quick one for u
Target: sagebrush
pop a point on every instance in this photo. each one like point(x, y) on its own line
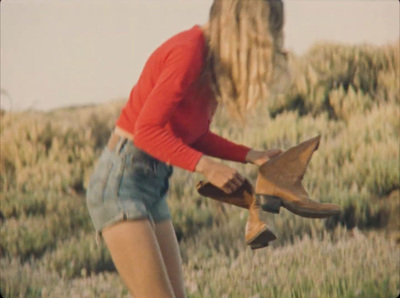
point(347, 94)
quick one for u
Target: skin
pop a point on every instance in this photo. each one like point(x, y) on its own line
point(227, 178)
point(147, 257)
point(168, 243)
point(137, 256)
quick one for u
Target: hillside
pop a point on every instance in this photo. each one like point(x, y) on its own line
point(347, 94)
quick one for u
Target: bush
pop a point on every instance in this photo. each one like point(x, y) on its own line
point(347, 94)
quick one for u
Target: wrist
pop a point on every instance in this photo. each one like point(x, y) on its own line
point(203, 163)
point(250, 156)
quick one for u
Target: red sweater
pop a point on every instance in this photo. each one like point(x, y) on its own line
point(168, 114)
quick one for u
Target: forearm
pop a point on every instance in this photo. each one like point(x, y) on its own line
point(216, 146)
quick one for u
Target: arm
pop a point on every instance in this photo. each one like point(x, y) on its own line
point(152, 137)
point(179, 70)
point(216, 146)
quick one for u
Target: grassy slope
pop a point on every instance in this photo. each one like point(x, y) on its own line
point(346, 94)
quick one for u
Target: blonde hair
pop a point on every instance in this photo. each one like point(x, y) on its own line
point(244, 38)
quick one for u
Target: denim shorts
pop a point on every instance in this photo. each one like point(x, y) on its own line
point(127, 184)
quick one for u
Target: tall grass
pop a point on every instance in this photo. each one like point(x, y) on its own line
point(347, 94)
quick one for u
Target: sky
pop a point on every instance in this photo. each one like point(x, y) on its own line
point(57, 53)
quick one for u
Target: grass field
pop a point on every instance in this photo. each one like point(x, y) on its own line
point(347, 94)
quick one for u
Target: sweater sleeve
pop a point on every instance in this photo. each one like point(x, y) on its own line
point(216, 146)
point(179, 70)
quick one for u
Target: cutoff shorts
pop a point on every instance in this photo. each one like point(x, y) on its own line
point(127, 184)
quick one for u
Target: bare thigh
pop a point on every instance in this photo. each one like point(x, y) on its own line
point(170, 252)
point(137, 256)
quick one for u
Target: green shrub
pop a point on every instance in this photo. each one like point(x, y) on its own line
point(79, 257)
point(347, 94)
point(27, 236)
point(337, 79)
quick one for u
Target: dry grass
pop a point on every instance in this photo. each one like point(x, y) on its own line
point(348, 94)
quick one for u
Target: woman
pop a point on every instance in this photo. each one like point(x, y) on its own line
point(166, 122)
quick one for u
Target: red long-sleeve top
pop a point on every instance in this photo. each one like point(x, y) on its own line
point(169, 114)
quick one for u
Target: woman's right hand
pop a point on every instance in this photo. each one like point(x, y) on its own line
point(222, 176)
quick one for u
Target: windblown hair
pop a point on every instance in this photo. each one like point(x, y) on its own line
point(245, 44)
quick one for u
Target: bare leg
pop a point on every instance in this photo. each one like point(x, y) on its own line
point(137, 256)
point(172, 259)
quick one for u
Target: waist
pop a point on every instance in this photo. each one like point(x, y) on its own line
point(123, 133)
point(118, 136)
point(121, 142)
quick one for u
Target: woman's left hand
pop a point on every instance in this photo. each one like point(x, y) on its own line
point(260, 157)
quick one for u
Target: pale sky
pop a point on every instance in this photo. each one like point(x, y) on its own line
point(58, 53)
